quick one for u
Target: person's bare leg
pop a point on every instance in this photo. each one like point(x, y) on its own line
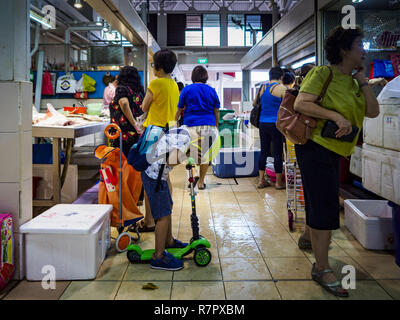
point(320, 241)
point(279, 180)
point(262, 179)
point(306, 235)
point(169, 239)
point(161, 235)
point(148, 220)
point(203, 173)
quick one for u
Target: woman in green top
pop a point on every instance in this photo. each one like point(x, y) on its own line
point(348, 100)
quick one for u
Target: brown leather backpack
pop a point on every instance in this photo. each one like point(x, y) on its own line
point(293, 125)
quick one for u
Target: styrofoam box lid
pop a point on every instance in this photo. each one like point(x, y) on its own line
point(68, 219)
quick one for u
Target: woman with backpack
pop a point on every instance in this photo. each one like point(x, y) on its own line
point(347, 101)
point(271, 97)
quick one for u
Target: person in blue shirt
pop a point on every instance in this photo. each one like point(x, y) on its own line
point(271, 97)
point(201, 105)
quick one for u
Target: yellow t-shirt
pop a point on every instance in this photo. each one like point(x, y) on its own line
point(165, 102)
point(343, 96)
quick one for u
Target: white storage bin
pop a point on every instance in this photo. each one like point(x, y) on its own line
point(384, 130)
point(370, 221)
point(356, 162)
point(73, 238)
point(381, 172)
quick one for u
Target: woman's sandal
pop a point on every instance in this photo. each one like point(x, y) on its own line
point(304, 244)
point(204, 186)
point(334, 288)
point(143, 228)
point(263, 185)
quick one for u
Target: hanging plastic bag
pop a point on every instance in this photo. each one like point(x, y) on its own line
point(79, 85)
point(390, 91)
point(88, 83)
point(383, 69)
point(47, 87)
point(66, 84)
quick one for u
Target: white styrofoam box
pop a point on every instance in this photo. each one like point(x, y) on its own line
point(16, 99)
point(381, 172)
point(71, 238)
point(26, 105)
point(9, 106)
point(384, 130)
point(9, 160)
point(69, 191)
point(25, 155)
point(370, 221)
point(19, 256)
point(16, 198)
point(356, 162)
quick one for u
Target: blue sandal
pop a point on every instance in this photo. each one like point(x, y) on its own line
point(334, 288)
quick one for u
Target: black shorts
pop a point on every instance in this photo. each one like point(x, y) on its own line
point(320, 173)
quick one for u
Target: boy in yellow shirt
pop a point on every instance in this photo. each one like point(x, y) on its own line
point(161, 103)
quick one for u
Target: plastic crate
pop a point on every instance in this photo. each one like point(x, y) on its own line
point(370, 221)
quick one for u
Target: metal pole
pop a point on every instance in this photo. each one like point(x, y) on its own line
point(39, 79)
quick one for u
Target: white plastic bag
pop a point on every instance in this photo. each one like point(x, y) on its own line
point(79, 85)
point(66, 84)
point(390, 91)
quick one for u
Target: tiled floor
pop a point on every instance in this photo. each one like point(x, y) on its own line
point(255, 257)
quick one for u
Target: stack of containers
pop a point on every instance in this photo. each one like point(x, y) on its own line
point(381, 152)
point(381, 157)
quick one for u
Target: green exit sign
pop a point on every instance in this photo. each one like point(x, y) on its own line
point(202, 60)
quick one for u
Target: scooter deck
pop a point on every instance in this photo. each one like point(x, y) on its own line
point(176, 252)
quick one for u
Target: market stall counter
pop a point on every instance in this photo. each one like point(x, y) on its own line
point(57, 133)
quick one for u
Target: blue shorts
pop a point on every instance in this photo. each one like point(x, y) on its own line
point(161, 201)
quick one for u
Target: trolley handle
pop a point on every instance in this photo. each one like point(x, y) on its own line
point(114, 135)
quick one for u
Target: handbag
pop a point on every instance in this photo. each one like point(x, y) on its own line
point(256, 111)
point(293, 125)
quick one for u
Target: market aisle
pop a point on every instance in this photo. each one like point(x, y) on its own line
point(254, 255)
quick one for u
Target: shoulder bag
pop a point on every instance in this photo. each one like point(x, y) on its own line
point(293, 125)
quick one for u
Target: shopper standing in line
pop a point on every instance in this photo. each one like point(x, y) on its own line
point(125, 107)
point(289, 80)
point(160, 102)
point(348, 100)
point(271, 97)
point(201, 105)
point(109, 92)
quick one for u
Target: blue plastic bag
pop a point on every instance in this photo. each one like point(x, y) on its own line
point(383, 69)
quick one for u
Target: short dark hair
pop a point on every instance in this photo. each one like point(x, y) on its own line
point(199, 74)
point(275, 73)
point(180, 86)
point(288, 78)
point(165, 59)
point(306, 68)
point(340, 38)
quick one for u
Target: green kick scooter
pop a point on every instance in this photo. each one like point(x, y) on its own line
point(198, 244)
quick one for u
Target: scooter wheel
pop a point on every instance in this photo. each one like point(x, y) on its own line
point(202, 257)
point(123, 241)
point(133, 256)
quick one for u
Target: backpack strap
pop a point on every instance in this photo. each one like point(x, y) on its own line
point(160, 173)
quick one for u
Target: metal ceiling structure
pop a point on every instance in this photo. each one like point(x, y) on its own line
point(192, 6)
